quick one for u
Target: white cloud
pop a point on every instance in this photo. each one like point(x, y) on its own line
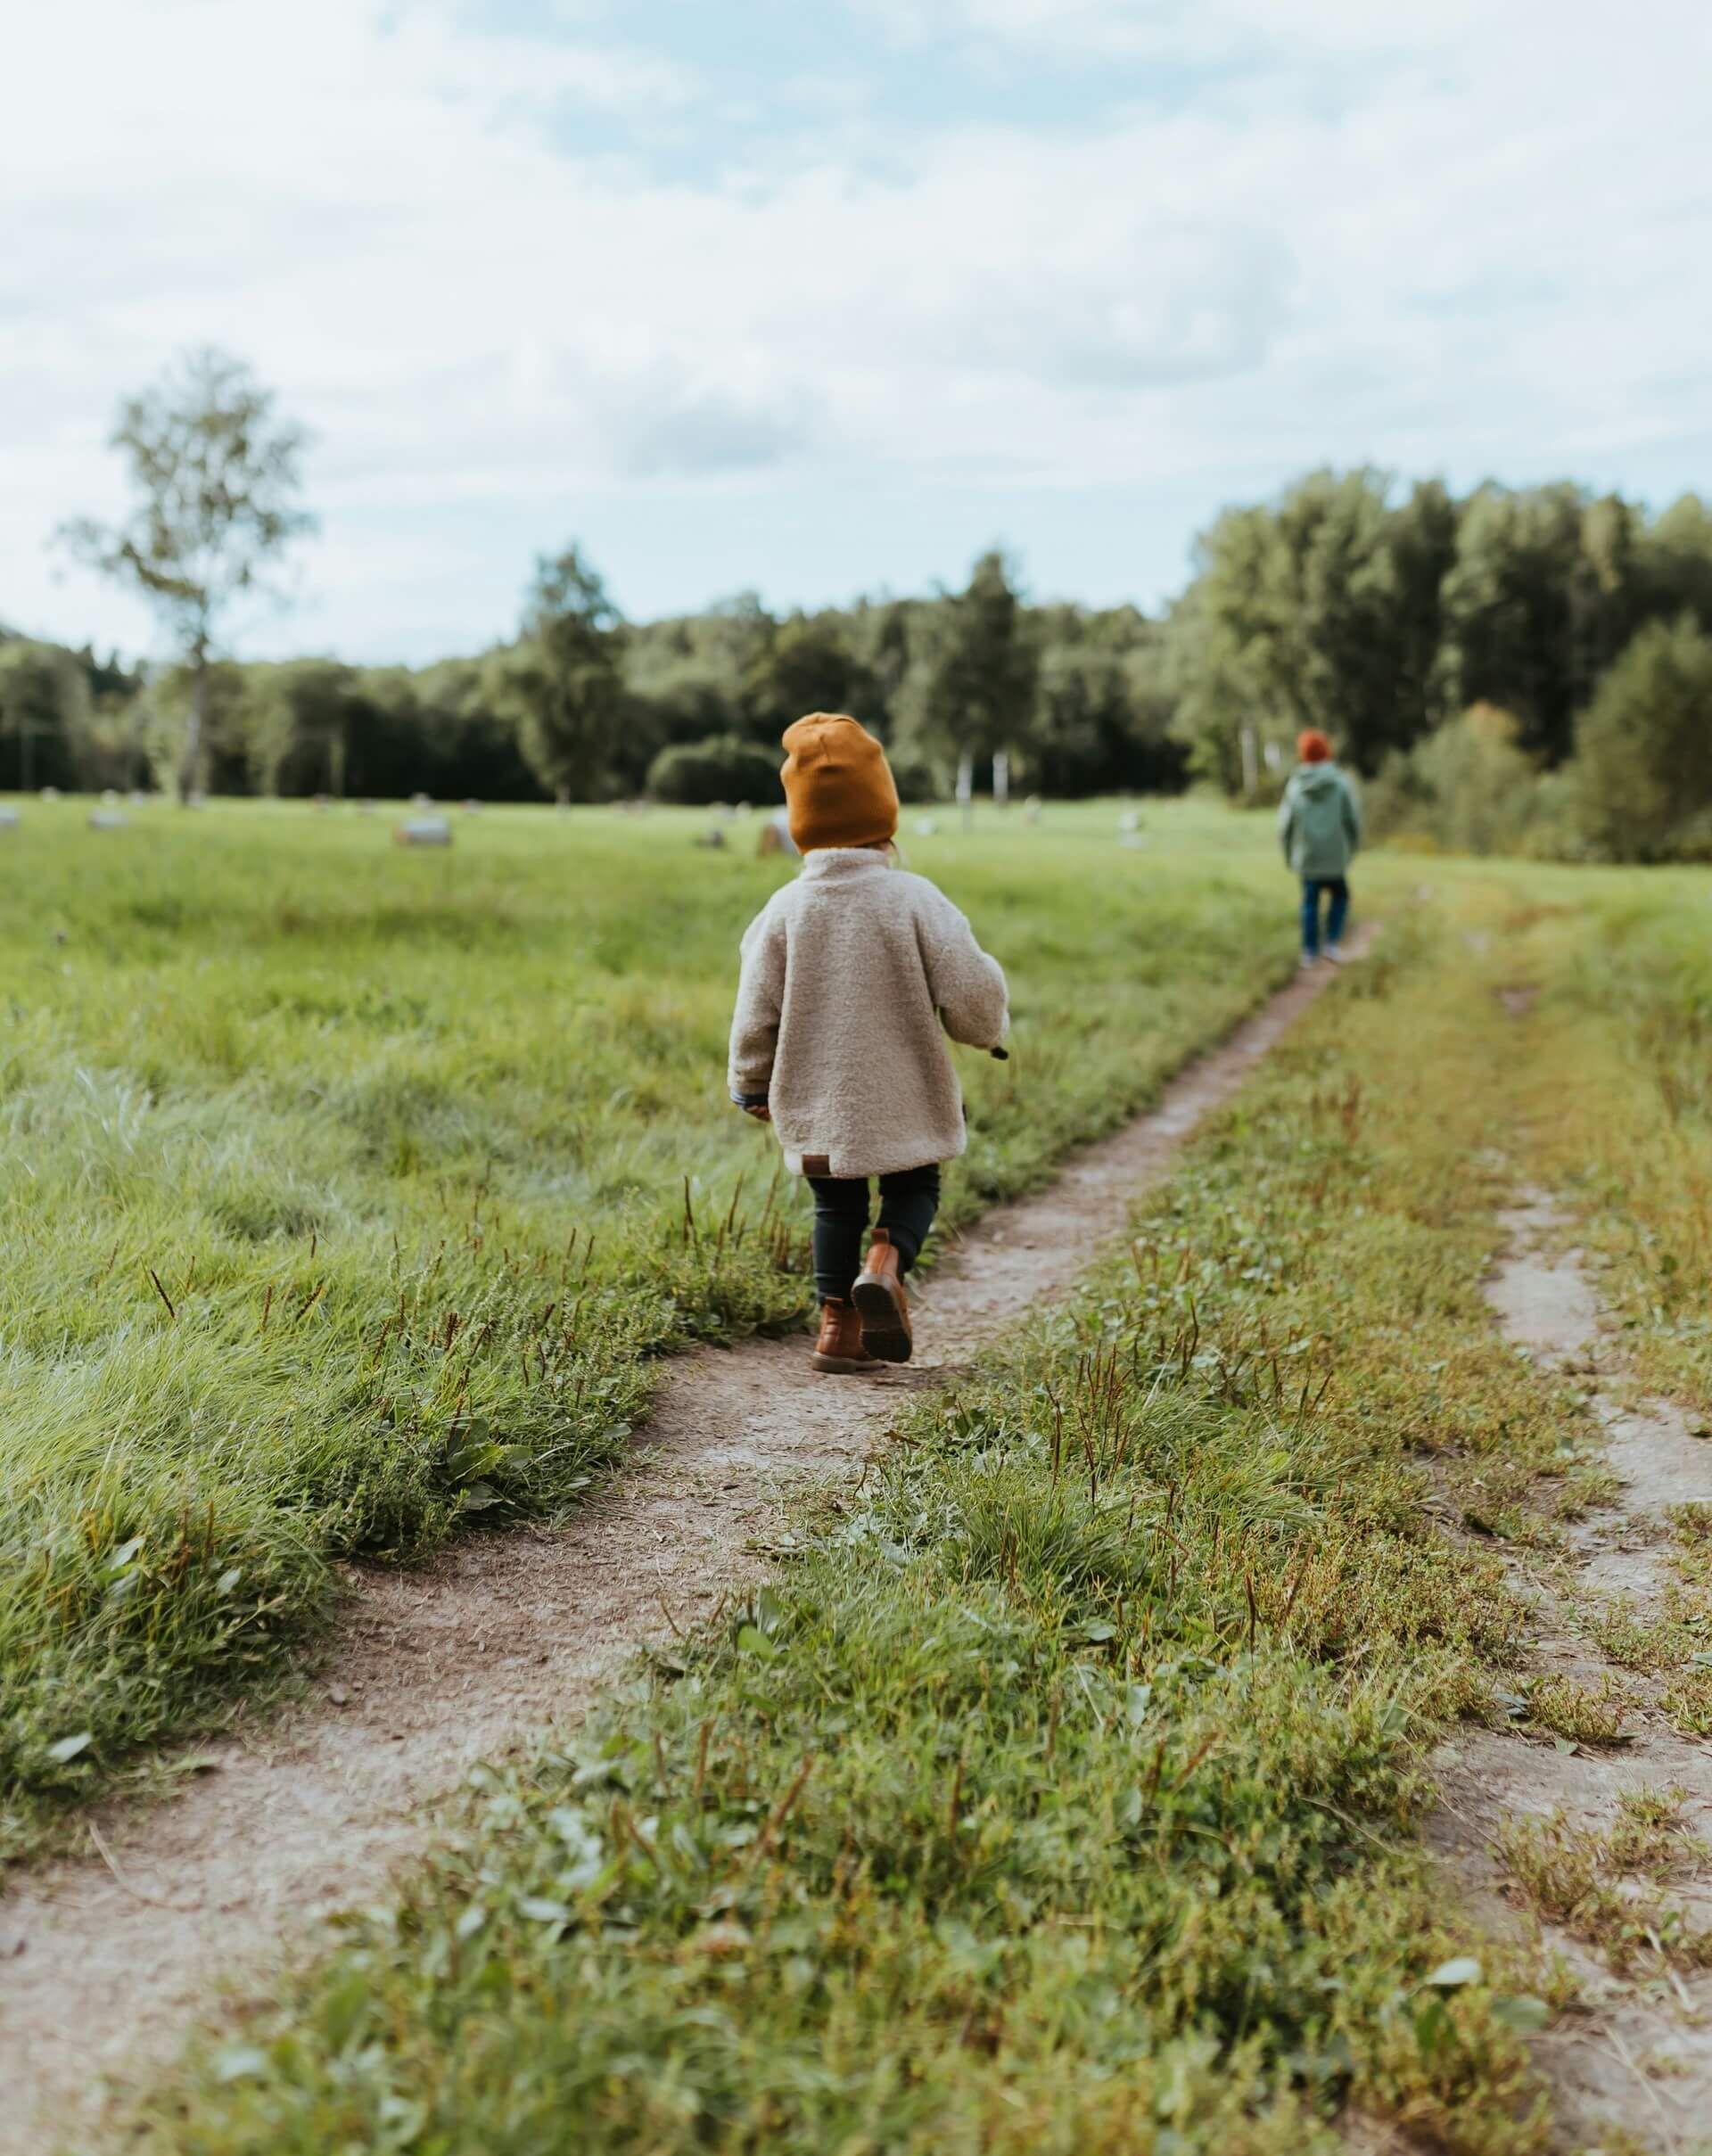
point(1496, 246)
point(1179, 30)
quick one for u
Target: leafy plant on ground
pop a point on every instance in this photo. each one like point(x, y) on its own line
point(1590, 1879)
point(1573, 1710)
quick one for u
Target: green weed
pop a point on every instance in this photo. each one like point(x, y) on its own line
point(1575, 1711)
point(1588, 1879)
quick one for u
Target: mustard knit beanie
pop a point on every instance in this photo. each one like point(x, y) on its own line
point(839, 785)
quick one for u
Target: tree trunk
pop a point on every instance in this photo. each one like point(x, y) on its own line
point(191, 759)
point(1001, 778)
point(1250, 761)
point(27, 757)
point(966, 790)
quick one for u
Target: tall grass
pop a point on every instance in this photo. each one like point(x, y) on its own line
point(1057, 1796)
point(351, 1191)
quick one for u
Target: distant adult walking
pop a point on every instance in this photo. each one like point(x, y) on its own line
point(1319, 822)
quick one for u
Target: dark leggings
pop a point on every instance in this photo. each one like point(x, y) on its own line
point(909, 1201)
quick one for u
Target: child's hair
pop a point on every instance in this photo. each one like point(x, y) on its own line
point(1313, 746)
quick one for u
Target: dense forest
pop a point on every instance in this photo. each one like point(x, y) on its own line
point(1514, 668)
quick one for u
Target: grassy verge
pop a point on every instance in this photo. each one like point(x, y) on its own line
point(1059, 1796)
point(351, 1191)
point(1611, 1085)
point(1624, 1125)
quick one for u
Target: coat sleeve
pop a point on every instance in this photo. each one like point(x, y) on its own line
point(967, 987)
point(1352, 814)
point(1287, 822)
point(755, 1024)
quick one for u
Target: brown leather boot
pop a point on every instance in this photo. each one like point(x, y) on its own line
point(883, 1306)
point(839, 1349)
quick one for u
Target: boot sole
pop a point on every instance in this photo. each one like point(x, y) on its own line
point(841, 1366)
point(886, 1330)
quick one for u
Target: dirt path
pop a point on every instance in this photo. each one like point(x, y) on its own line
point(100, 1963)
point(1637, 2051)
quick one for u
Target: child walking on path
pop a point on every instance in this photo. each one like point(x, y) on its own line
point(851, 977)
point(1319, 822)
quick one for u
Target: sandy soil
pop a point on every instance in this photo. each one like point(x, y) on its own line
point(103, 1961)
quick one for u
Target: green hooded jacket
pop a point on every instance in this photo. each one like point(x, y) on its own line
point(1320, 822)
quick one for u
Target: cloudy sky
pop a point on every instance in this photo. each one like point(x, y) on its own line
point(822, 296)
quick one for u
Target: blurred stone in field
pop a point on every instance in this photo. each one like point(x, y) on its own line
point(107, 820)
point(50, 793)
point(364, 808)
point(197, 800)
point(109, 795)
point(775, 837)
point(8, 819)
point(714, 838)
point(472, 807)
point(1131, 820)
point(422, 801)
point(138, 798)
point(926, 826)
point(422, 831)
point(1032, 807)
point(322, 803)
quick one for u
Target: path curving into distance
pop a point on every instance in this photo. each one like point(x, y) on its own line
point(104, 1959)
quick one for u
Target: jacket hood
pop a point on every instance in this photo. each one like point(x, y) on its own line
point(1316, 777)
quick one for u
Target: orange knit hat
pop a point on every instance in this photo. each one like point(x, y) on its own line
point(1313, 747)
point(839, 785)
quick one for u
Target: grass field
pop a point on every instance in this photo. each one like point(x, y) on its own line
point(352, 1190)
point(1060, 1796)
point(1061, 1793)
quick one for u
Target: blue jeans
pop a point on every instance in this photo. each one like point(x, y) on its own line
point(1312, 887)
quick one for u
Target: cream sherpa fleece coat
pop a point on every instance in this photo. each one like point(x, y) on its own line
point(847, 975)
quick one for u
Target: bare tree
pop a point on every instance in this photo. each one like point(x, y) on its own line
point(216, 476)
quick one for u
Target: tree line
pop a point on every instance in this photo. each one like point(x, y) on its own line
point(1544, 651)
point(1525, 666)
point(582, 707)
